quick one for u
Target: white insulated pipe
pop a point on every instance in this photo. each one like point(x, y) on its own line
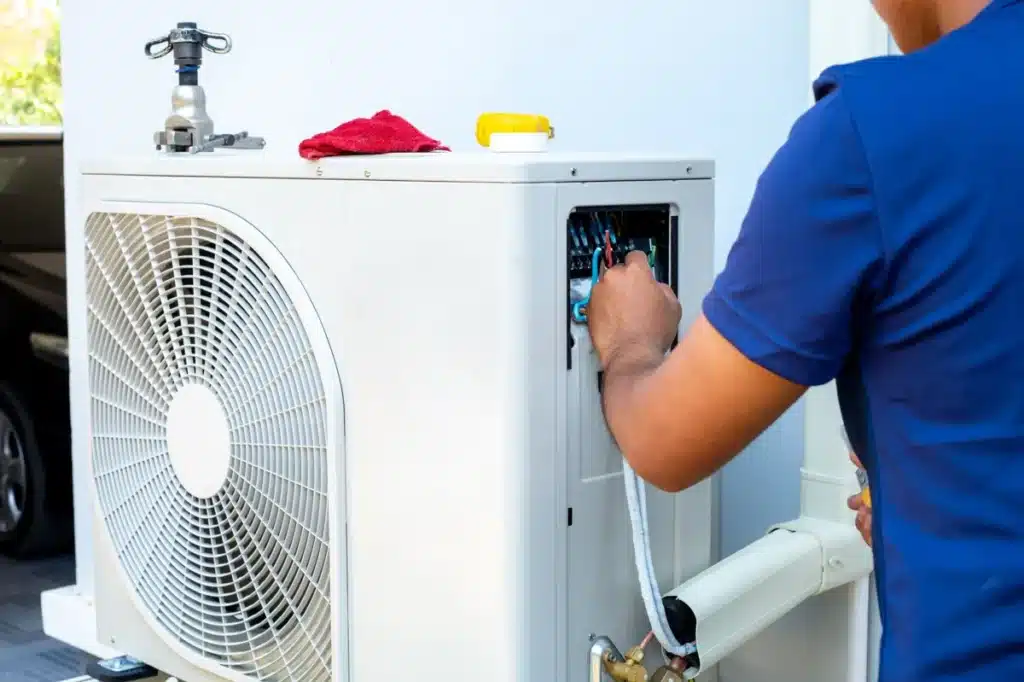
point(736, 599)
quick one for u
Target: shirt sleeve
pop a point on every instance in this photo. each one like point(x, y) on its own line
point(809, 256)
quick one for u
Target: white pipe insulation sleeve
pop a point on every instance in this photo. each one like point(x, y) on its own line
point(738, 598)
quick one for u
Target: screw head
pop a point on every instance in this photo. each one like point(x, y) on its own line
point(319, 172)
point(366, 174)
point(573, 172)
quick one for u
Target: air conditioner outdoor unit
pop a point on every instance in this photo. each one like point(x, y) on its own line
point(343, 424)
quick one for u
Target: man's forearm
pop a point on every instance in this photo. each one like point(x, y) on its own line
point(678, 419)
point(625, 396)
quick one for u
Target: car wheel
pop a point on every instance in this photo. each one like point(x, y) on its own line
point(12, 476)
point(25, 527)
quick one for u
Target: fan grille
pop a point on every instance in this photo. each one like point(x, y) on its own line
point(240, 577)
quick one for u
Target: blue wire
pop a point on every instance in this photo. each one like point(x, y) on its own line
point(595, 273)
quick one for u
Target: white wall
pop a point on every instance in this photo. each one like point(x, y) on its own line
point(719, 79)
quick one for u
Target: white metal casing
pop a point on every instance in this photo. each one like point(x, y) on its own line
point(440, 282)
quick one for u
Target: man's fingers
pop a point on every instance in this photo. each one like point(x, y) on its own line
point(633, 259)
point(638, 259)
point(863, 524)
point(670, 295)
point(862, 519)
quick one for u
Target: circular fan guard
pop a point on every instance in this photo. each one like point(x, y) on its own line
point(240, 577)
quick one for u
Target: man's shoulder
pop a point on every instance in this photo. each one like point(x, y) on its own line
point(825, 137)
point(899, 103)
point(871, 72)
point(847, 94)
point(926, 68)
point(894, 109)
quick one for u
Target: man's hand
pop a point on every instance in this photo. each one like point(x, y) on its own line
point(857, 504)
point(632, 317)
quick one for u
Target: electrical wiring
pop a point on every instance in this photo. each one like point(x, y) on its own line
point(579, 309)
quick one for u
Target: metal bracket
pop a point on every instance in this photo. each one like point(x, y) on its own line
point(186, 141)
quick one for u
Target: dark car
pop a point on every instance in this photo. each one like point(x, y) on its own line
point(36, 509)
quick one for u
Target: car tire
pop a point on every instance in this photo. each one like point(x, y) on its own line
point(27, 528)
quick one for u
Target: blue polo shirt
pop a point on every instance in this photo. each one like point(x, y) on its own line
point(884, 248)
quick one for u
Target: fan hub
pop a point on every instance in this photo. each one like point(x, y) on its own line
point(198, 440)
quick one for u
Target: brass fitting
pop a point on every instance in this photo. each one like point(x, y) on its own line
point(630, 670)
point(669, 673)
point(666, 674)
point(636, 654)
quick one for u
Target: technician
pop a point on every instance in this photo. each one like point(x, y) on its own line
point(884, 248)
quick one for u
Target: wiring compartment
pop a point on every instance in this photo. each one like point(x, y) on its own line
point(601, 236)
point(623, 229)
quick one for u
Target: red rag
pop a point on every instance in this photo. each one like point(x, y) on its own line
point(383, 133)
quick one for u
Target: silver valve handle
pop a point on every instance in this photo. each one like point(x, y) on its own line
point(185, 41)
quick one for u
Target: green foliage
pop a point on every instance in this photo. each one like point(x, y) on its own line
point(31, 94)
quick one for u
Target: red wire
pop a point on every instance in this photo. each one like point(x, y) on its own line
point(608, 248)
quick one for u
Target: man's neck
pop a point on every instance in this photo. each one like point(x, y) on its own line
point(951, 15)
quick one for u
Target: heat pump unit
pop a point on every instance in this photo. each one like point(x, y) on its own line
point(344, 426)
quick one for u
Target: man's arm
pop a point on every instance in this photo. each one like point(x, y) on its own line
point(682, 419)
point(781, 316)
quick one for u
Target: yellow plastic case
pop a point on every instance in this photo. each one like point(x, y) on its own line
point(497, 122)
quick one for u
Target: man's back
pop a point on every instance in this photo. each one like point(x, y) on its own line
point(884, 247)
point(934, 394)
